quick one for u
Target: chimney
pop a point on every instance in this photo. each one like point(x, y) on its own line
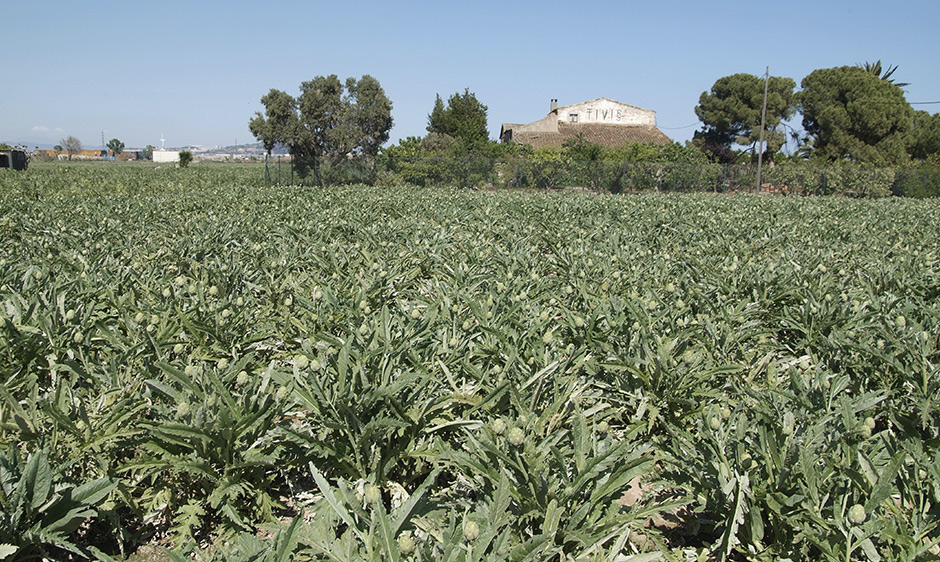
point(554, 106)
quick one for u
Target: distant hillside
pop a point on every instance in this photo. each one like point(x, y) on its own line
point(240, 150)
point(249, 149)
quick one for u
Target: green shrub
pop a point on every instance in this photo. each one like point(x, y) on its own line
point(917, 182)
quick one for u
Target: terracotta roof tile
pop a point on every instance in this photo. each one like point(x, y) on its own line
point(607, 135)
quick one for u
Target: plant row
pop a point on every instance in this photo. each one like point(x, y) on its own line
point(365, 373)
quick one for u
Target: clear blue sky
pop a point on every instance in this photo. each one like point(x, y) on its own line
point(195, 71)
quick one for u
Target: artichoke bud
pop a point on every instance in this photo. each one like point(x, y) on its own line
point(372, 493)
point(516, 436)
point(857, 514)
point(406, 544)
point(470, 531)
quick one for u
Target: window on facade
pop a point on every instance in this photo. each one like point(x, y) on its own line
point(572, 117)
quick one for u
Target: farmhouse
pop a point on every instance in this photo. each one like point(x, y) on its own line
point(602, 121)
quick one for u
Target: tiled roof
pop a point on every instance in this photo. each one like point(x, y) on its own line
point(607, 135)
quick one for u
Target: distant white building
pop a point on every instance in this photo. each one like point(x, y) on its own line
point(603, 121)
point(166, 155)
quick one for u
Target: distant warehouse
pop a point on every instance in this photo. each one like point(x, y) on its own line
point(602, 121)
point(166, 155)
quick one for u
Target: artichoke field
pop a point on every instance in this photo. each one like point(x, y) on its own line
point(236, 372)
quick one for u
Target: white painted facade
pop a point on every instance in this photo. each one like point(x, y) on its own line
point(605, 111)
point(166, 156)
point(602, 111)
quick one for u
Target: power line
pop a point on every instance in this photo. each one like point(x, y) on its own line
point(676, 128)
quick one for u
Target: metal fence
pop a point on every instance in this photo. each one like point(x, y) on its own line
point(614, 176)
point(278, 170)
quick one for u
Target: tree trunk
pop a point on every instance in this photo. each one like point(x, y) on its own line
point(316, 172)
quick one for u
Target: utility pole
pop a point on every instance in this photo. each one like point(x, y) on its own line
point(763, 117)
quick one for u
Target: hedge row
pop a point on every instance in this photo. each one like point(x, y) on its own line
point(616, 177)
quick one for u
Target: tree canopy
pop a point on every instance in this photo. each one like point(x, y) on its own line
point(464, 118)
point(852, 113)
point(731, 114)
point(329, 121)
point(855, 113)
point(279, 124)
point(925, 135)
point(71, 145)
point(115, 146)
